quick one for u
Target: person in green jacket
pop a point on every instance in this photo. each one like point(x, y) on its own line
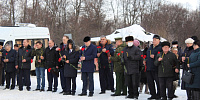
point(39, 64)
point(119, 68)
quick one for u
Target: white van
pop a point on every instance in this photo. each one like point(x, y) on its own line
point(16, 35)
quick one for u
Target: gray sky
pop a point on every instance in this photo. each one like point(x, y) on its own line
point(191, 4)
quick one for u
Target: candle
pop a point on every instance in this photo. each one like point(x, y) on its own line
point(150, 52)
point(188, 60)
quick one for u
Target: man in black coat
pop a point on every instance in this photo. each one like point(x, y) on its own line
point(23, 62)
point(51, 63)
point(61, 51)
point(2, 72)
point(152, 70)
point(131, 56)
point(105, 51)
point(167, 63)
point(8, 58)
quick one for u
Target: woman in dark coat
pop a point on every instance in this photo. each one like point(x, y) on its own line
point(187, 52)
point(194, 66)
point(70, 69)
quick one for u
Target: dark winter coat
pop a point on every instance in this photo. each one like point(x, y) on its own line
point(1, 63)
point(149, 60)
point(116, 59)
point(10, 65)
point(70, 69)
point(51, 57)
point(90, 53)
point(104, 62)
point(166, 67)
point(194, 61)
point(187, 52)
point(38, 53)
point(24, 53)
point(132, 56)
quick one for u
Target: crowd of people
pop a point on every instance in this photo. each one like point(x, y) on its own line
point(156, 66)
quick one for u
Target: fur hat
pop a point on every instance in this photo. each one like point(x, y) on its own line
point(136, 43)
point(174, 42)
point(189, 40)
point(156, 36)
point(129, 38)
point(86, 39)
point(166, 43)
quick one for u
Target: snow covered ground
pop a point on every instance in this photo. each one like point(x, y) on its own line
point(36, 95)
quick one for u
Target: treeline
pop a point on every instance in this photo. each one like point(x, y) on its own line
point(102, 17)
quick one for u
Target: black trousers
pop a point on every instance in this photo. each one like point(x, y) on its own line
point(62, 78)
point(9, 76)
point(166, 82)
point(152, 78)
point(26, 74)
point(133, 84)
point(52, 78)
point(70, 80)
point(106, 79)
point(195, 94)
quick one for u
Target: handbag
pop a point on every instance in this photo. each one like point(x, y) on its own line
point(188, 77)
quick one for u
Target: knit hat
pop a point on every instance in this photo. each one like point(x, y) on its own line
point(195, 38)
point(136, 43)
point(189, 40)
point(197, 43)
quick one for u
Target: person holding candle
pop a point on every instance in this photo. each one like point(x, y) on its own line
point(152, 70)
point(8, 57)
point(168, 64)
point(187, 52)
point(119, 68)
point(23, 63)
point(193, 65)
point(38, 51)
point(131, 57)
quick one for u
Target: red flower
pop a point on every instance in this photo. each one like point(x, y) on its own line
point(59, 60)
point(31, 60)
point(59, 49)
point(158, 52)
point(49, 70)
point(122, 51)
point(6, 53)
point(26, 50)
point(144, 56)
point(82, 49)
point(98, 47)
point(118, 54)
point(107, 51)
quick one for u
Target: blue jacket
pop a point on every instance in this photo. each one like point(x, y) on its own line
point(89, 54)
point(10, 65)
point(150, 61)
point(194, 61)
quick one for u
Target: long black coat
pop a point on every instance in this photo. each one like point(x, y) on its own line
point(24, 53)
point(132, 56)
point(187, 52)
point(10, 65)
point(51, 57)
point(70, 68)
point(62, 52)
